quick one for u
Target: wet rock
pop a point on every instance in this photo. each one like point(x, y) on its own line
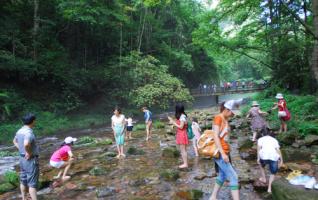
point(282, 190)
point(190, 194)
point(250, 154)
point(105, 191)
point(170, 152)
point(170, 131)
point(291, 154)
point(106, 141)
point(311, 140)
point(43, 183)
point(110, 154)
point(135, 151)
point(45, 191)
point(304, 167)
point(245, 143)
point(260, 186)
point(287, 138)
point(169, 175)
point(97, 171)
point(6, 187)
point(201, 176)
point(153, 180)
point(137, 183)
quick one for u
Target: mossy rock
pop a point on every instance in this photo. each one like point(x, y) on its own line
point(106, 141)
point(135, 151)
point(190, 194)
point(43, 183)
point(97, 171)
point(291, 154)
point(170, 152)
point(311, 140)
point(245, 144)
point(169, 175)
point(287, 138)
point(110, 154)
point(6, 187)
point(282, 190)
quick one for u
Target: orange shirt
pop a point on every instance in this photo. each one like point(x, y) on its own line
point(223, 132)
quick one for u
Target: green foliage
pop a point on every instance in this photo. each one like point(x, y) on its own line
point(140, 127)
point(158, 124)
point(11, 177)
point(85, 140)
point(8, 153)
point(6, 187)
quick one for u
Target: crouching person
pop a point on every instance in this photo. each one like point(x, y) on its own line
point(268, 153)
point(63, 158)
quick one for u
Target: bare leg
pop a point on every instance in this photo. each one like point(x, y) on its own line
point(122, 150)
point(285, 127)
point(215, 191)
point(271, 179)
point(58, 175)
point(23, 191)
point(281, 126)
point(118, 150)
point(68, 165)
point(147, 130)
point(254, 136)
point(32, 192)
point(195, 147)
point(184, 156)
point(263, 176)
point(235, 194)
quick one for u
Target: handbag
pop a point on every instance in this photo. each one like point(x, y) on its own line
point(282, 113)
point(207, 146)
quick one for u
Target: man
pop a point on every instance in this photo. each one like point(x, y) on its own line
point(24, 140)
point(148, 121)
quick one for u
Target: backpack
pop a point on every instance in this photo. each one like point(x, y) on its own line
point(207, 146)
point(190, 131)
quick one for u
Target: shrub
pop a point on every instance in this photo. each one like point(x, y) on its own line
point(11, 177)
point(139, 127)
point(158, 124)
point(86, 140)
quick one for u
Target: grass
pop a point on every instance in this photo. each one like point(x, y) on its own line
point(48, 123)
point(139, 127)
point(8, 153)
point(158, 124)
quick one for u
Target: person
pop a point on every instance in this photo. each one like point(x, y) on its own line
point(221, 137)
point(130, 127)
point(148, 121)
point(197, 134)
point(268, 153)
point(63, 158)
point(118, 126)
point(258, 122)
point(282, 112)
point(182, 135)
point(25, 142)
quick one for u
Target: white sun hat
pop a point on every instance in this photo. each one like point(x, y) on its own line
point(255, 103)
point(233, 105)
point(69, 140)
point(279, 96)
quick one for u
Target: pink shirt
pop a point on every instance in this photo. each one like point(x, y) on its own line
point(61, 154)
point(196, 130)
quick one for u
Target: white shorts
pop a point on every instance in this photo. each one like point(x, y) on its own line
point(55, 164)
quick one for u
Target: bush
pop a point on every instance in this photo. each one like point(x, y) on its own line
point(158, 124)
point(139, 127)
point(11, 177)
point(86, 140)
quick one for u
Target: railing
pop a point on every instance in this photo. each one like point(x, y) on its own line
point(221, 90)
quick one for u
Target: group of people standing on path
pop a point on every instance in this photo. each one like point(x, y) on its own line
point(62, 158)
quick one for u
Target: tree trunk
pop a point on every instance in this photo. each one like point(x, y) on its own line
point(35, 27)
point(314, 64)
point(142, 29)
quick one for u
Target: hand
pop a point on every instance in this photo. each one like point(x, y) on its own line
point(258, 161)
point(225, 158)
point(27, 156)
point(281, 163)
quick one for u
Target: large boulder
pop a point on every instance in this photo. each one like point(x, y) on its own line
point(283, 190)
point(292, 154)
point(287, 138)
point(245, 143)
point(311, 140)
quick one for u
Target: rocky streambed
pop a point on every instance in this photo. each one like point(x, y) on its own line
point(148, 172)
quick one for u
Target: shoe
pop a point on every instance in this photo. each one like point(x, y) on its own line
point(310, 184)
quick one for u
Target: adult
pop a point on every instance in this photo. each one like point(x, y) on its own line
point(148, 121)
point(258, 122)
point(221, 138)
point(63, 158)
point(283, 113)
point(118, 126)
point(25, 141)
point(182, 135)
point(268, 153)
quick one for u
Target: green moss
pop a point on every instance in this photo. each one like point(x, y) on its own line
point(158, 124)
point(8, 153)
point(11, 177)
point(139, 127)
point(169, 175)
point(6, 187)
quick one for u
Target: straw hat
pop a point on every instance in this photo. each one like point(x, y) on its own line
point(255, 103)
point(279, 96)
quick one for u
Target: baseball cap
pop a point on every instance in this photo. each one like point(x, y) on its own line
point(233, 105)
point(69, 140)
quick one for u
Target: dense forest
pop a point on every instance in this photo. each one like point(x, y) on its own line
point(60, 56)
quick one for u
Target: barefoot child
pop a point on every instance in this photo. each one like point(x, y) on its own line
point(118, 126)
point(268, 153)
point(63, 158)
point(196, 130)
point(130, 127)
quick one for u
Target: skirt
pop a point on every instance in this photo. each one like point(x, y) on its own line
point(182, 137)
point(119, 134)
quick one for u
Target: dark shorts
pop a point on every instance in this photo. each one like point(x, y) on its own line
point(273, 165)
point(130, 128)
point(29, 172)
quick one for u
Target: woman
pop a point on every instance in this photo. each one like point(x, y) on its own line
point(182, 135)
point(283, 113)
point(118, 126)
point(221, 137)
point(63, 158)
point(258, 122)
point(148, 121)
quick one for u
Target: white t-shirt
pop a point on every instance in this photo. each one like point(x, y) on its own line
point(118, 120)
point(183, 118)
point(129, 122)
point(268, 146)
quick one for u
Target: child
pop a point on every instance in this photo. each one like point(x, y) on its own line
point(63, 158)
point(268, 153)
point(118, 126)
point(130, 127)
point(196, 130)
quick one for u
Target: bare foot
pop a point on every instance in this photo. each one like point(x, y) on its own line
point(123, 155)
point(118, 156)
point(262, 180)
point(66, 178)
point(147, 139)
point(56, 177)
point(183, 166)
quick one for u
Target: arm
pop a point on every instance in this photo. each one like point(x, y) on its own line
point(70, 154)
point(217, 141)
point(262, 113)
point(258, 150)
point(281, 157)
point(27, 147)
point(15, 142)
point(175, 124)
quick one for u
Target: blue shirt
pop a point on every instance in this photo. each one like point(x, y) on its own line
point(148, 116)
point(26, 133)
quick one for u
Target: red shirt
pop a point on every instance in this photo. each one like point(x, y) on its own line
point(282, 105)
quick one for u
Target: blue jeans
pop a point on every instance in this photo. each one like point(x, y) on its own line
point(273, 165)
point(226, 172)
